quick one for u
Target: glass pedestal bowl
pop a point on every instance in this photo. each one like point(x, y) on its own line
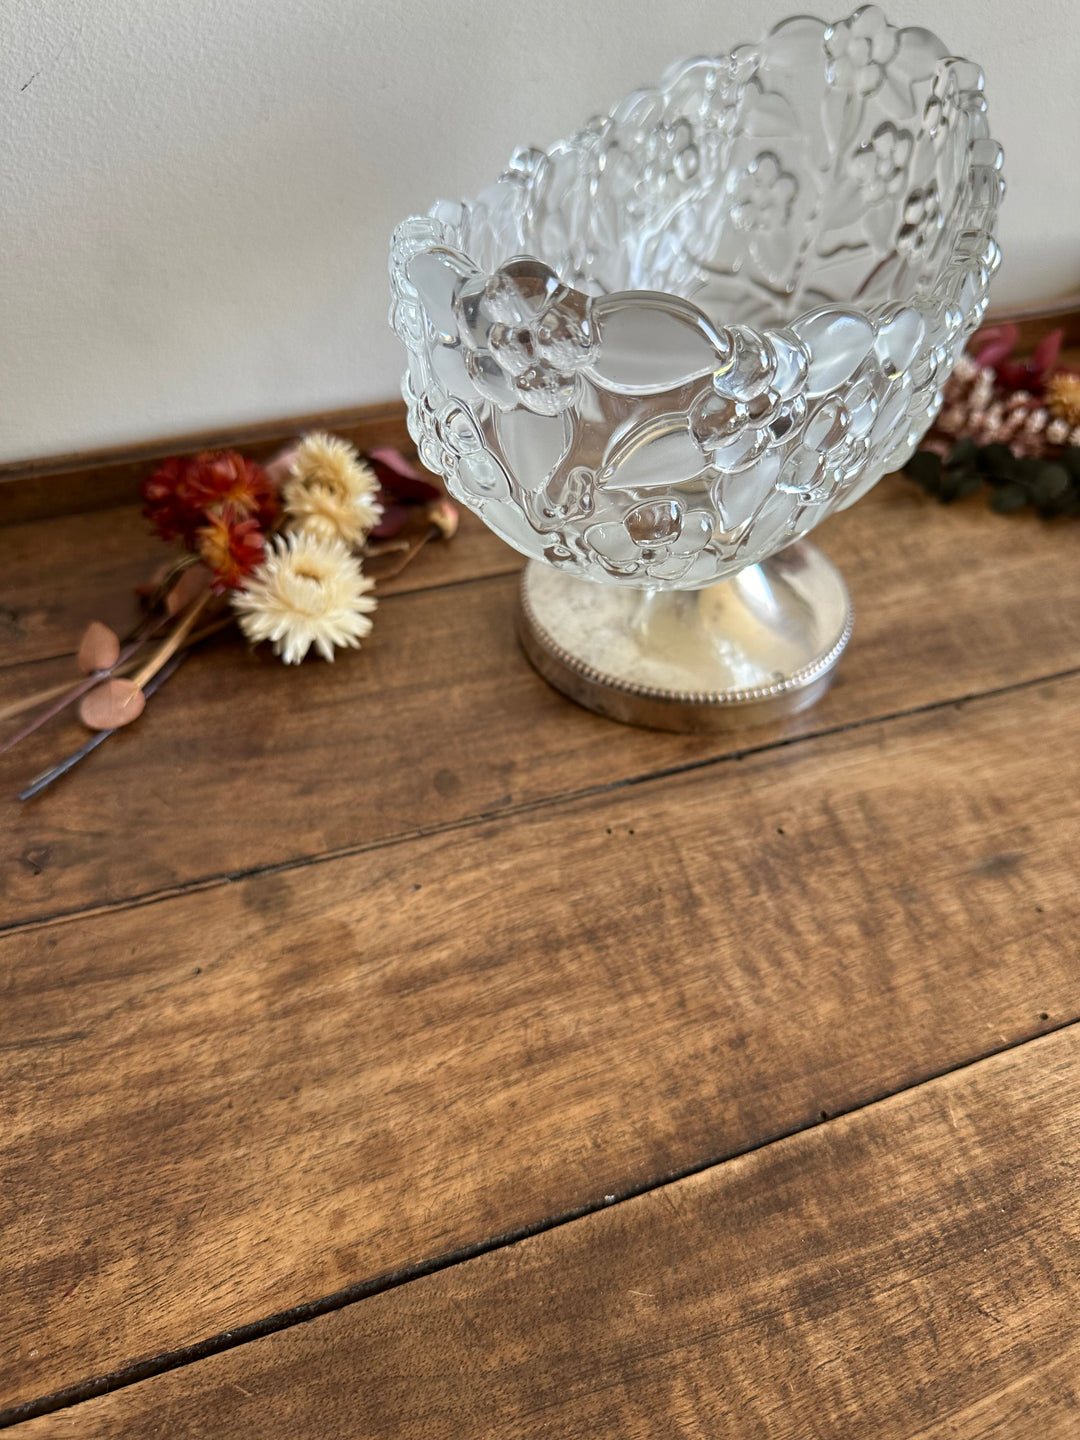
point(653, 357)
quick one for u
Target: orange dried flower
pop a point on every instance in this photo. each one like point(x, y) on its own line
point(225, 477)
point(231, 545)
point(1063, 395)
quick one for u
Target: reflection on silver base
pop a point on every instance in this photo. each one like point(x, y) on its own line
point(760, 645)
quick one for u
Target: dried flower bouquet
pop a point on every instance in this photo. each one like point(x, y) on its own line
point(1010, 425)
point(279, 550)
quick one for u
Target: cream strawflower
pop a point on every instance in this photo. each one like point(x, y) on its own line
point(306, 592)
point(330, 492)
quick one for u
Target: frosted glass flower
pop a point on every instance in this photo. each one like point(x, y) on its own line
point(657, 537)
point(858, 50)
point(921, 221)
point(880, 165)
point(763, 195)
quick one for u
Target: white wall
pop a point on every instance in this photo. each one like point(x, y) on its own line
point(196, 195)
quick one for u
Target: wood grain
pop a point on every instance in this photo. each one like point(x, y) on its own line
point(908, 1273)
point(99, 479)
point(440, 719)
point(241, 1100)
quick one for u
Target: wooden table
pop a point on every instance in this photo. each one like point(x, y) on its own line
point(393, 1049)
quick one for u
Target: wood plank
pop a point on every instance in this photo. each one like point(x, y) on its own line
point(440, 718)
point(60, 573)
point(1034, 323)
point(907, 1273)
point(99, 479)
point(245, 1099)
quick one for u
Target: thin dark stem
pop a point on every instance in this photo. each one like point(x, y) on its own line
point(172, 643)
point(143, 633)
point(412, 549)
point(70, 696)
point(46, 778)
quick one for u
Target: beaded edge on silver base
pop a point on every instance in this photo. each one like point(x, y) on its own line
point(797, 680)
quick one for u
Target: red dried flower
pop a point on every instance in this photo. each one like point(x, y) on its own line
point(185, 490)
point(231, 545)
point(169, 506)
point(400, 480)
point(995, 350)
point(401, 486)
point(225, 477)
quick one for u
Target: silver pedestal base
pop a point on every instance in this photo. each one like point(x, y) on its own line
point(760, 645)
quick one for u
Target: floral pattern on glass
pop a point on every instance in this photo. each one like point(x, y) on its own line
point(668, 345)
point(763, 194)
point(859, 49)
point(880, 165)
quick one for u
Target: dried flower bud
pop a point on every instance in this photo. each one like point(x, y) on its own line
point(983, 389)
point(279, 468)
point(444, 517)
point(1063, 396)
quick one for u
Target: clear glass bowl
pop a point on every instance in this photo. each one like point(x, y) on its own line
point(667, 347)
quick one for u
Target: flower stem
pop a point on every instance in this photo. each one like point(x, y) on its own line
point(411, 548)
point(68, 695)
point(165, 652)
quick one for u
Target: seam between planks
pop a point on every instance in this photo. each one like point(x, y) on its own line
point(220, 879)
point(139, 1371)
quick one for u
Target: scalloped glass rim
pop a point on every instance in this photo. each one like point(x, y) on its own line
point(670, 434)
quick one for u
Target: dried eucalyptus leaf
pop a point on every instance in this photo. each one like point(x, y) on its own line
point(112, 704)
point(98, 649)
point(1007, 498)
point(1050, 484)
point(924, 468)
point(952, 485)
point(998, 463)
point(963, 454)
